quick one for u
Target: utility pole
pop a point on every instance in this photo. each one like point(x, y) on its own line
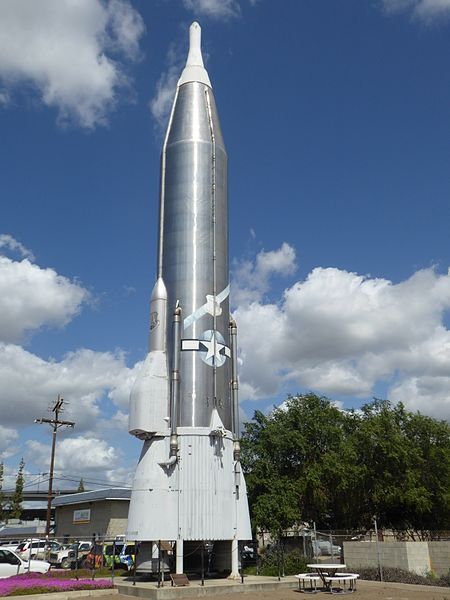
point(56, 423)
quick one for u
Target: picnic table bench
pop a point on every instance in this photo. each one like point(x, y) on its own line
point(342, 583)
point(311, 578)
point(333, 581)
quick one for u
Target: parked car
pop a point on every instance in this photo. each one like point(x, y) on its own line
point(84, 547)
point(108, 551)
point(66, 557)
point(127, 556)
point(249, 555)
point(324, 548)
point(10, 544)
point(12, 564)
point(36, 549)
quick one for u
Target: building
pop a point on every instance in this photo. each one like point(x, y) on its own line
point(17, 530)
point(101, 513)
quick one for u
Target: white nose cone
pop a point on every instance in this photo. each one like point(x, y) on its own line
point(194, 69)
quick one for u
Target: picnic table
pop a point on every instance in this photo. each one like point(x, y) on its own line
point(326, 570)
point(329, 574)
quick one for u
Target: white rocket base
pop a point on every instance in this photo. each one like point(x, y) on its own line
point(202, 496)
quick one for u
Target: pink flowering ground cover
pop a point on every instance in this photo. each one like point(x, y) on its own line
point(36, 583)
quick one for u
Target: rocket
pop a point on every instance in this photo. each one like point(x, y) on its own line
point(188, 486)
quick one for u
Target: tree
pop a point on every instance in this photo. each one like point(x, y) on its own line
point(81, 486)
point(16, 502)
point(310, 461)
point(292, 460)
point(431, 439)
point(406, 458)
point(2, 495)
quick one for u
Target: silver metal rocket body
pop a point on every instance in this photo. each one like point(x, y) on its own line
point(188, 484)
point(195, 252)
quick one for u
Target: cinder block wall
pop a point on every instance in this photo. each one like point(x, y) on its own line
point(360, 554)
point(418, 557)
point(439, 557)
point(410, 556)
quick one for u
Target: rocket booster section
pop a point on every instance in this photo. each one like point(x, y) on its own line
point(149, 398)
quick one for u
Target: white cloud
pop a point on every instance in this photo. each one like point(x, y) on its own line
point(9, 243)
point(7, 437)
point(337, 332)
point(70, 52)
point(91, 458)
point(426, 393)
point(119, 394)
point(94, 385)
point(215, 9)
point(127, 27)
point(32, 297)
point(28, 384)
point(251, 280)
point(161, 104)
point(75, 454)
point(422, 9)
point(4, 98)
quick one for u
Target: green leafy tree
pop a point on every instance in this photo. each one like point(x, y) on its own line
point(431, 439)
point(16, 502)
point(406, 463)
point(292, 460)
point(81, 486)
point(309, 461)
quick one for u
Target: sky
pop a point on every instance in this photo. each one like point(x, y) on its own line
point(336, 118)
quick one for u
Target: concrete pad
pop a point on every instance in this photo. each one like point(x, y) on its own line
point(212, 587)
point(69, 595)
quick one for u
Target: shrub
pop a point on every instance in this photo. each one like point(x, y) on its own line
point(402, 576)
point(294, 562)
point(35, 583)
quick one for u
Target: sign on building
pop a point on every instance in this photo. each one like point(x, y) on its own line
point(82, 516)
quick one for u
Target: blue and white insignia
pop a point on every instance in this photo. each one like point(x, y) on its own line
point(154, 321)
point(212, 348)
point(211, 307)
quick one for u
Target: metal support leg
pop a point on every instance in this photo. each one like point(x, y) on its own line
point(234, 559)
point(179, 557)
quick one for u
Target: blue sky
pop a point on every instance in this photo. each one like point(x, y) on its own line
point(336, 117)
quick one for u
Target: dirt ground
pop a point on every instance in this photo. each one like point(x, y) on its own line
point(367, 590)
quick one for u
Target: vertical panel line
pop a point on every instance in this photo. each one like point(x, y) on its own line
point(213, 215)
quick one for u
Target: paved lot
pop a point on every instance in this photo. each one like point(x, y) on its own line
point(367, 590)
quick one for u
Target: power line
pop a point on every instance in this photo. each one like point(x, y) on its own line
point(94, 481)
point(56, 423)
